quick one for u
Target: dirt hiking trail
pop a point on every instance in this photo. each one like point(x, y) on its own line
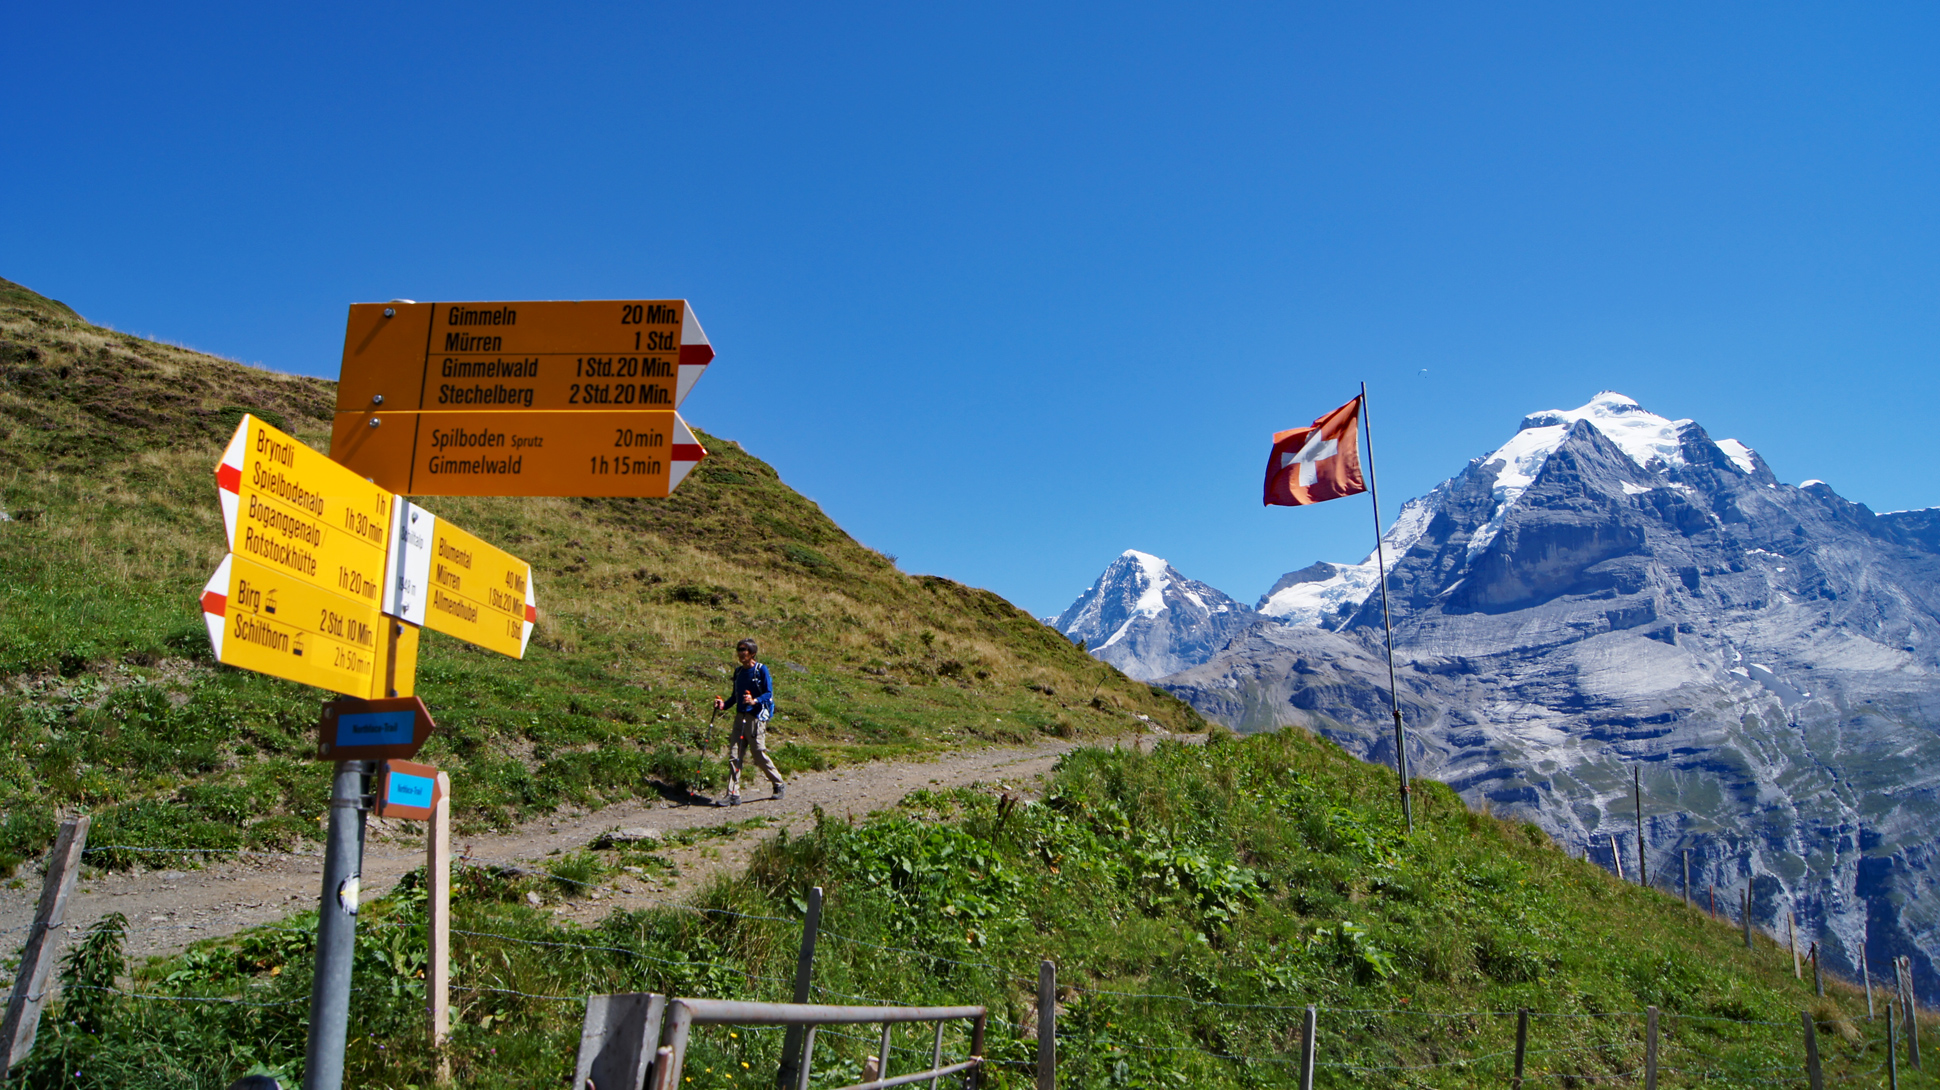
point(169, 909)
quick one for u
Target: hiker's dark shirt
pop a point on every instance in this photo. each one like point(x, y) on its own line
point(753, 678)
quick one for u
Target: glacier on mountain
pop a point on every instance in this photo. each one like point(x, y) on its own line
point(1611, 590)
point(1312, 597)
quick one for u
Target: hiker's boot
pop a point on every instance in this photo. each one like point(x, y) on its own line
point(734, 800)
point(781, 789)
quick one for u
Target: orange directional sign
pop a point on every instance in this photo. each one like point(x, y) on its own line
point(296, 512)
point(546, 356)
point(519, 453)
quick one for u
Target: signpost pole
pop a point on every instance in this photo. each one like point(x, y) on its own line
point(343, 863)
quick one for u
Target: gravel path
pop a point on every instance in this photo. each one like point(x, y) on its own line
point(169, 909)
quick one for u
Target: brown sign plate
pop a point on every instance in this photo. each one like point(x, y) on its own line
point(407, 790)
point(371, 730)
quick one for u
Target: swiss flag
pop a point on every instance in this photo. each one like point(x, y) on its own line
point(1320, 462)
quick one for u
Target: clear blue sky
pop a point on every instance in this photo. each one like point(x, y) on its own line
point(1011, 289)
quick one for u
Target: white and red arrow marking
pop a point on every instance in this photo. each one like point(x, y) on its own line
point(215, 599)
point(531, 615)
point(229, 480)
point(687, 454)
point(695, 354)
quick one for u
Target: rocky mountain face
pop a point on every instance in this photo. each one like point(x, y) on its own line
point(1145, 618)
point(1613, 592)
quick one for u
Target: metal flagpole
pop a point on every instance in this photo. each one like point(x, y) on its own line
point(1381, 562)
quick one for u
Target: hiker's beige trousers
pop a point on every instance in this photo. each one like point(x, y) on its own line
point(750, 737)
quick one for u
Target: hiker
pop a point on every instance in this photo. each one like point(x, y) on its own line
point(753, 697)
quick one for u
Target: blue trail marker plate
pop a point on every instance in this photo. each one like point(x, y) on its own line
point(407, 790)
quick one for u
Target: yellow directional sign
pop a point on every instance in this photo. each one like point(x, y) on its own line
point(269, 621)
point(554, 355)
point(315, 565)
point(296, 512)
point(478, 593)
point(517, 453)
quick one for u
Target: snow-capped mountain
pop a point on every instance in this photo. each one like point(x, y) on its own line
point(1321, 593)
point(1145, 618)
point(1648, 439)
point(1614, 590)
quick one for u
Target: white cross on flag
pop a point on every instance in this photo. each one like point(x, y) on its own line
point(1319, 462)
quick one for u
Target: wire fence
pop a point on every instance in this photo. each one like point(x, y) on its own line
point(1582, 1058)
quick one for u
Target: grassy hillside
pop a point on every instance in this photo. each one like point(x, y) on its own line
point(1195, 900)
point(110, 703)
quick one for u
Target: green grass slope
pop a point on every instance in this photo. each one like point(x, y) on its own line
point(1195, 900)
point(110, 702)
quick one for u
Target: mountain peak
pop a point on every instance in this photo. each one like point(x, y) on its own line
point(1132, 617)
point(1648, 439)
point(1613, 592)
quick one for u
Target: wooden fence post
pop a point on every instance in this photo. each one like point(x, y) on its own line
point(1912, 1014)
point(1892, 1055)
point(22, 1022)
point(1818, 974)
point(1866, 975)
point(1747, 915)
point(1812, 1072)
point(1047, 1025)
point(792, 1043)
point(1616, 856)
point(437, 882)
point(1650, 1048)
point(1792, 940)
point(1714, 901)
point(1687, 877)
point(1522, 1045)
point(1307, 1050)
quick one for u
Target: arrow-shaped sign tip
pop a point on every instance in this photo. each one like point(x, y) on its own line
point(687, 454)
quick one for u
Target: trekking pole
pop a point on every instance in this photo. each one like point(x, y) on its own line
point(708, 743)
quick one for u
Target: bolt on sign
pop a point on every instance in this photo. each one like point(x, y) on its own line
point(520, 399)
